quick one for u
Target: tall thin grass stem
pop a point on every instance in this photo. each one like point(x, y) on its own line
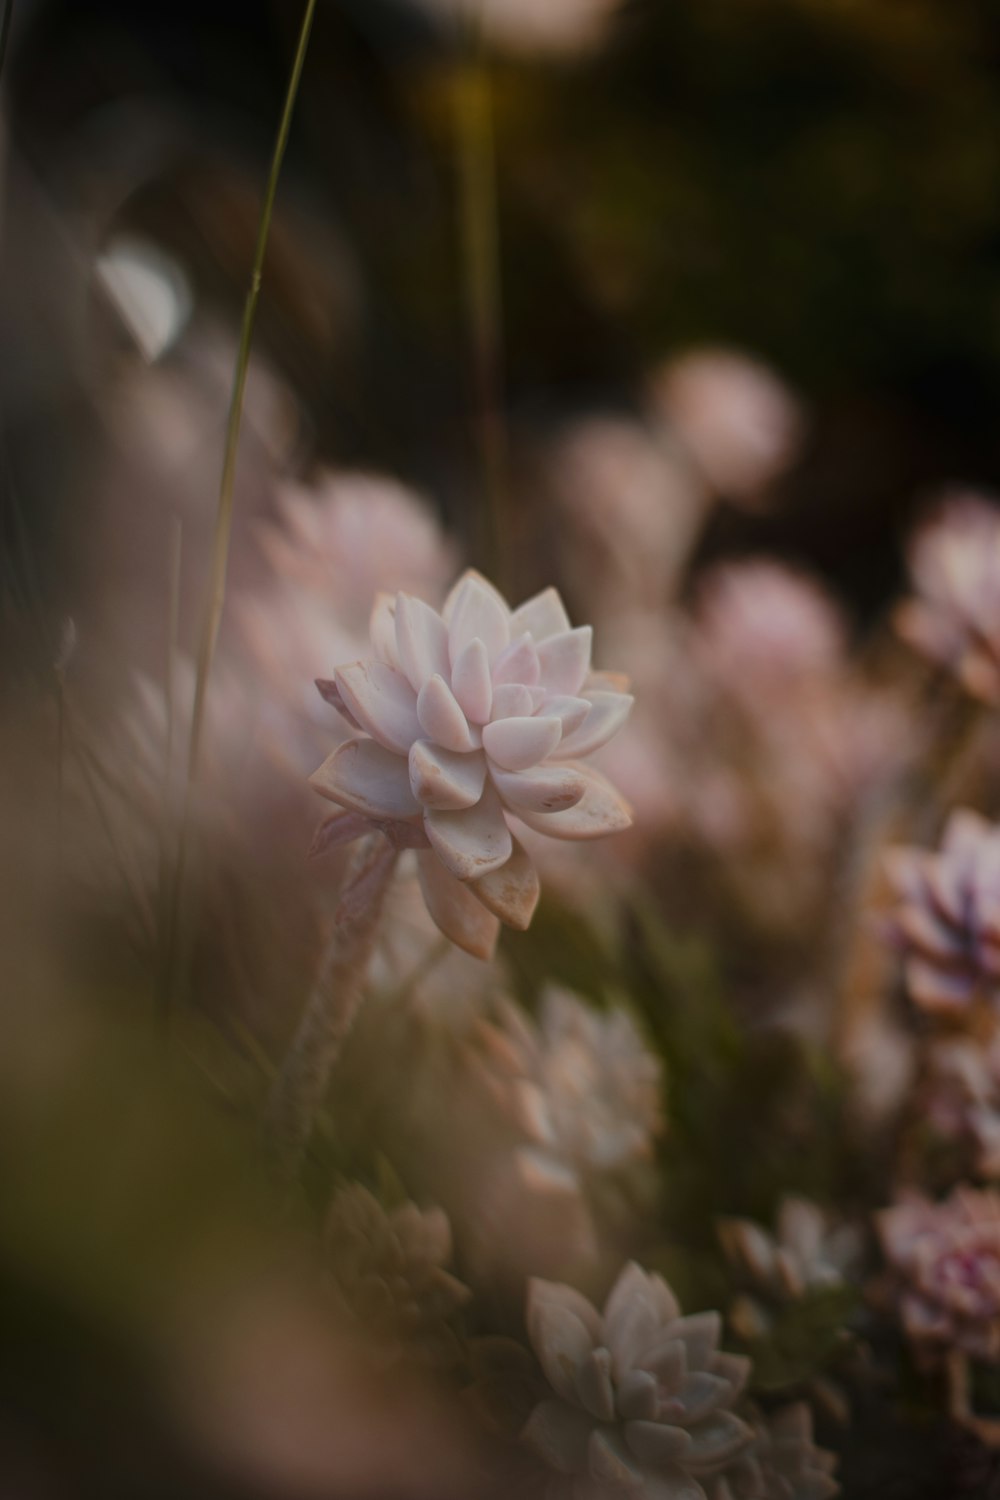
point(479, 229)
point(224, 513)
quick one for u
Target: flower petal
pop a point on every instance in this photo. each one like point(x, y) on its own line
point(572, 711)
point(341, 827)
point(540, 789)
point(453, 908)
point(421, 641)
point(518, 663)
point(441, 718)
point(542, 616)
point(478, 613)
point(511, 892)
point(381, 700)
point(515, 744)
point(559, 1433)
point(366, 778)
point(512, 700)
point(473, 842)
point(442, 779)
point(471, 684)
point(607, 714)
point(382, 629)
point(600, 810)
point(330, 693)
point(565, 660)
point(657, 1443)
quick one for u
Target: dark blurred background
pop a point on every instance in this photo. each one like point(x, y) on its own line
point(814, 180)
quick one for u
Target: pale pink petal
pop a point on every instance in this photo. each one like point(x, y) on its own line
point(565, 660)
point(542, 616)
point(366, 778)
point(572, 711)
point(381, 700)
point(516, 744)
point(458, 590)
point(473, 842)
point(478, 613)
point(341, 827)
point(421, 641)
point(454, 909)
point(382, 629)
point(442, 779)
point(519, 663)
point(511, 892)
point(330, 693)
point(441, 718)
point(512, 700)
point(540, 789)
point(600, 810)
point(607, 715)
point(471, 684)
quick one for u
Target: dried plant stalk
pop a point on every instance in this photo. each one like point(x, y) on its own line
point(299, 1090)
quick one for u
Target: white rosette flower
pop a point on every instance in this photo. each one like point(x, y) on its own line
point(471, 722)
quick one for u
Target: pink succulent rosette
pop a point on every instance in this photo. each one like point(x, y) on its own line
point(471, 722)
point(947, 916)
point(954, 616)
point(946, 1257)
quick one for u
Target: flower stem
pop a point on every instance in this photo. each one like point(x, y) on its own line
point(300, 1088)
point(480, 244)
point(224, 512)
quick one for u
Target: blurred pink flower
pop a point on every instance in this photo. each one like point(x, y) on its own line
point(333, 548)
point(641, 1397)
point(946, 1259)
point(954, 618)
point(947, 916)
point(739, 422)
point(629, 513)
point(468, 718)
point(580, 1084)
point(557, 26)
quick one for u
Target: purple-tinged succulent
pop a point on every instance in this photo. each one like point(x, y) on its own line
point(470, 720)
point(947, 916)
point(946, 1260)
point(642, 1399)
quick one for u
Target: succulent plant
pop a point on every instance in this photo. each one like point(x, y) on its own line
point(945, 1258)
point(954, 617)
point(947, 916)
point(582, 1085)
point(471, 719)
point(960, 1096)
point(642, 1399)
point(784, 1462)
point(803, 1255)
point(387, 1274)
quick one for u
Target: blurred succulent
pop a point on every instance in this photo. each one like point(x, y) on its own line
point(642, 1400)
point(581, 1085)
point(738, 421)
point(784, 1462)
point(947, 916)
point(946, 1262)
point(469, 718)
point(959, 1097)
point(331, 550)
point(523, 26)
point(387, 1274)
point(954, 618)
point(804, 1255)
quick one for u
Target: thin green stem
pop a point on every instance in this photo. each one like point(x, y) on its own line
point(480, 244)
point(224, 513)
